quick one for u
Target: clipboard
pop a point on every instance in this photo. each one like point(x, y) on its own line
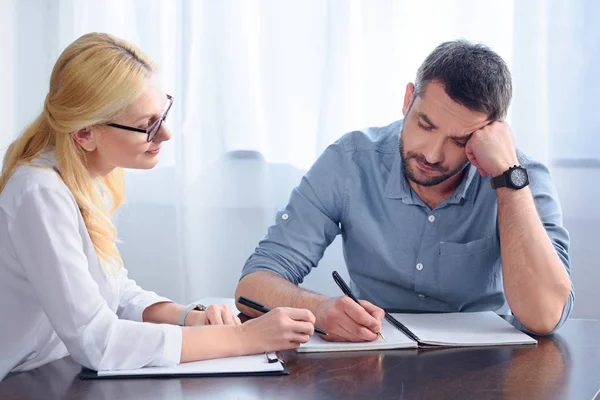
point(253, 365)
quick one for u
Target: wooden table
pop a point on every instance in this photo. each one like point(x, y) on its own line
point(564, 366)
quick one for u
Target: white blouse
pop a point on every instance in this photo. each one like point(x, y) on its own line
point(55, 297)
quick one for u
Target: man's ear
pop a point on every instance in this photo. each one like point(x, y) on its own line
point(86, 139)
point(408, 97)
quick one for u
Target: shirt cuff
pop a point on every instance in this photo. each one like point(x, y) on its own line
point(563, 318)
point(173, 341)
point(135, 309)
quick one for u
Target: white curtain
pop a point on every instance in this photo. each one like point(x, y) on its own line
point(262, 87)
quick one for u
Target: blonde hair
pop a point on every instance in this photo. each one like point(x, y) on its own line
point(95, 79)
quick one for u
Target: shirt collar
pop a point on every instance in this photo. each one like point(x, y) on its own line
point(46, 159)
point(397, 187)
point(467, 185)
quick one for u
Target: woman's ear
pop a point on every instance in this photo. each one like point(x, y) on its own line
point(86, 139)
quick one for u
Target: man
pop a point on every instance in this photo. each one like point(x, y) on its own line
point(438, 212)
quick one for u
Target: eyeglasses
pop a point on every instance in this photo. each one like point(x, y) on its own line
point(154, 128)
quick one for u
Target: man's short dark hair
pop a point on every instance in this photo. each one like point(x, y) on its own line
point(472, 74)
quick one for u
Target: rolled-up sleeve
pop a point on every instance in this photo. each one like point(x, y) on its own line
point(550, 213)
point(46, 239)
point(133, 300)
point(308, 224)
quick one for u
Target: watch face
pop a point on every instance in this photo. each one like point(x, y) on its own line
point(518, 177)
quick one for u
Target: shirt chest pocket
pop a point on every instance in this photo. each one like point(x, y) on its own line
point(467, 271)
point(452, 249)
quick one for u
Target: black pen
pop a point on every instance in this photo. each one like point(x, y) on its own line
point(401, 326)
point(346, 289)
point(259, 307)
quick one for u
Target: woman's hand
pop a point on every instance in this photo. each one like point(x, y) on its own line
point(279, 329)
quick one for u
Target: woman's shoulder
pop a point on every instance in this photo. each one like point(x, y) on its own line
point(31, 178)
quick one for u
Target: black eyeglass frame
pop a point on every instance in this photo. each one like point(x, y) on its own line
point(154, 128)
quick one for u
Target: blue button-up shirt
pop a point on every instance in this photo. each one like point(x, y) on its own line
point(400, 253)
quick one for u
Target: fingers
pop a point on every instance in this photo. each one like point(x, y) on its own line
point(377, 312)
point(299, 321)
point(305, 328)
point(360, 316)
point(300, 314)
point(470, 155)
point(221, 315)
point(301, 332)
point(481, 170)
point(227, 315)
point(339, 337)
point(300, 338)
point(213, 315)
point(346, 330)
point(357, 332)
point(473, 161)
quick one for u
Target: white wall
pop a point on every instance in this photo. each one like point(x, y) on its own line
point(6, 74)
point(580, 197)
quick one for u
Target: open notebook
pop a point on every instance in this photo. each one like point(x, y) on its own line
point(484, 328)
point(254, 365)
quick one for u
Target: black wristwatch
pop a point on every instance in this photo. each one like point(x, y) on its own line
point(515, 178)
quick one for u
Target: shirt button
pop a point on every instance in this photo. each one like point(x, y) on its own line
point(419, 266)
point(431, 218)
point(285, 217)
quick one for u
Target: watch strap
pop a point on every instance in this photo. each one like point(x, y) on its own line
point(186, 311)
point(498, 181)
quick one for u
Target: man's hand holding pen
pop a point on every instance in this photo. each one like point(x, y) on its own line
point(345, 320)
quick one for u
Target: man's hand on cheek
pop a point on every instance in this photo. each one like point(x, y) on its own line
point(491, 149)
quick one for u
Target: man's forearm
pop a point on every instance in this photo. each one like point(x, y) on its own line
point(535, 281)
point(273, 291)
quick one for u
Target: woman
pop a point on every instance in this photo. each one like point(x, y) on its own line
point(63, 288)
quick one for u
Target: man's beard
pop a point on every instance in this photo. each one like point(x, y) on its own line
point(434, 180)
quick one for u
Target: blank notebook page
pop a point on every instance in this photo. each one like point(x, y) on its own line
point(484, 328)
point(253, 363)
point(394, 339)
